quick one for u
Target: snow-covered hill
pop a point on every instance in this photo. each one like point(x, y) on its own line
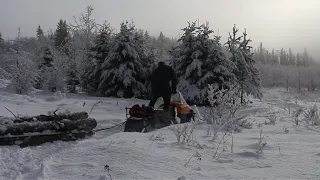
point(291, 152)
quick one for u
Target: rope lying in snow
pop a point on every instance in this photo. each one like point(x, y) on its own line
point(117, 125)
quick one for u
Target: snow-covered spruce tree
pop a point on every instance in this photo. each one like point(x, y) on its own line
point(162, 44)
point(61, 34)
point(46, 58)
point(40, 32)
point(246, 71)
point(122, 70)
point(99, 53)
point(199, 61)
point(45, 67)
point(1, 43)
point(3, 73)
point(72, 79)
point(148, 54)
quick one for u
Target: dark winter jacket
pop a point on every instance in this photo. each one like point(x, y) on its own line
point(161, 77)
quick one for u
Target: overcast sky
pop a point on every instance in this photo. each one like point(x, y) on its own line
point(276, 23)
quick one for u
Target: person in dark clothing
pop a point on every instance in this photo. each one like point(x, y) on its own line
point(160, 84)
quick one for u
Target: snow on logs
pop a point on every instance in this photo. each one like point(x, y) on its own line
point(34, 130)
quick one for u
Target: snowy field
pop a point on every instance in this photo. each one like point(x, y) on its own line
point(291, 152)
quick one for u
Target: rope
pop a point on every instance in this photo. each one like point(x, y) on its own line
point(117, 125)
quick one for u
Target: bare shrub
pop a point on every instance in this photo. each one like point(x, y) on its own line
point(184, 132)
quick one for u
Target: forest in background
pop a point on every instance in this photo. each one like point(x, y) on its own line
point(91, 57)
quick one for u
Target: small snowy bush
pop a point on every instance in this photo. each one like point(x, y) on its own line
point(261, 144)
point(184, 132)
point(23, 72)
point(272, 119)
point(225, 103)
point(311, 116)
point(60, 95)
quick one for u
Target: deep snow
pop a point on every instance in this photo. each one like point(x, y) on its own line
point(156, 155)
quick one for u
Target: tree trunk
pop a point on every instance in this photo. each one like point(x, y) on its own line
point(299, 83)
point(64, 125)
point(241, 95)
point(46, 118)
point(287, 85)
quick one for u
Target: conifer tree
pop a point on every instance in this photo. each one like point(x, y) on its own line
point(122, 70)
point(305, 58)
point(261, 53)
point(99, 53)
point(274, 58)
point(299, 61)
point(1, 43)
point(44, 59)
point(199, 61)
point(61, 35)
point(283, 57)
point(39, 32)
point(246, 71)
point(291, 58)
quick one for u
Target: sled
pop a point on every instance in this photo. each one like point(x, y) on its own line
point(145, 119)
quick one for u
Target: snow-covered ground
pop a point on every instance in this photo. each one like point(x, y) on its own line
point(292, 152)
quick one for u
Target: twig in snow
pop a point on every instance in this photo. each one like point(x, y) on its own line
point(232, 144)
point(197, 155)
point(107, 168)
point(219, 144)
point(12, 113)
point(95, 105)
point(279, 148)
point(261, 144)
point(54, 112)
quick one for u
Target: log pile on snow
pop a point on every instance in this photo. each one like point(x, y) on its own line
point(34, 130)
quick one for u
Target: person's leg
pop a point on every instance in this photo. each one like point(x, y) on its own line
point(166, 100)
point(166, 111)
point(153, 100)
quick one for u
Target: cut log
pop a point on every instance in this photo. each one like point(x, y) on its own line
point(58, 117)
point(37, 139)
point(5, 120)
point(63, 125)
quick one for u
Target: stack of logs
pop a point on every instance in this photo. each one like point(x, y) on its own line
point(35, 130)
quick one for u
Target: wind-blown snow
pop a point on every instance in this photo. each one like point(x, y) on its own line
point(156, 155)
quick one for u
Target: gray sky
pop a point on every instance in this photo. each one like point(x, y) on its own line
point(276, 23)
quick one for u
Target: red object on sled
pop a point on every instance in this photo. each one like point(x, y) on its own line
point(137, 111)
